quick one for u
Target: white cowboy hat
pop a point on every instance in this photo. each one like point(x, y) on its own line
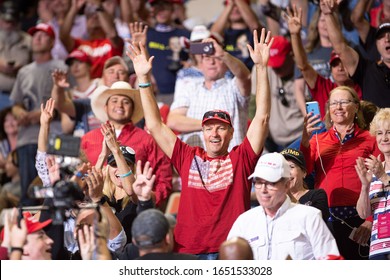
point(101, 95)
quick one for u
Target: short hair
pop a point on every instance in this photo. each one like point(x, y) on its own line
point(359, 120)
point(380, 118)
point(114, 61)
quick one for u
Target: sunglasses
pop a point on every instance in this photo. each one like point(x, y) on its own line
point(217, 114)
point(282, 96)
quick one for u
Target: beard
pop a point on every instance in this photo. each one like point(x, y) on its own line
point(10, 37)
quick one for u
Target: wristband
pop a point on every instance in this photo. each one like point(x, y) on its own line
point(144, 85)
point(125, 175)
point(79, 174)
point(103, 200)
point(20, 249)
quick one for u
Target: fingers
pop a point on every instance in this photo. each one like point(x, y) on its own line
point(138, 170)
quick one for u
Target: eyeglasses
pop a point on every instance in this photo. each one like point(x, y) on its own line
point(217, 114)
point(282, 96)
point(343, 103)
point(270, 186)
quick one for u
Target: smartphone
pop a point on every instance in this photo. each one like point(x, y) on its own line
point(202, 48)
point(314, 108)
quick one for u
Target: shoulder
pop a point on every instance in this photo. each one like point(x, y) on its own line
point(304, 210)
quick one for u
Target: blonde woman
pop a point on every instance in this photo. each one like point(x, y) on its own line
point(374, 197)
point(127, 188)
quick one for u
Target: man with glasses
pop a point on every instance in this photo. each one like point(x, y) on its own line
point(282, 229)
point(215, 190)
point(286, 117)
point(213, 90)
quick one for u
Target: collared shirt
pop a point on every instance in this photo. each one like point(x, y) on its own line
point(296, 230)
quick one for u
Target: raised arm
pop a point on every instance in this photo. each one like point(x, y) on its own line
point(64, 103)
point(358, 20)
point(127, 178)
point(363, 205)
point(348, 55)
point(47, 111)
point(66, 27)
point(162, 134)
point(294, 21)
point(258, 129)
point(108, 26)
point(248, 15)
point(220, 24)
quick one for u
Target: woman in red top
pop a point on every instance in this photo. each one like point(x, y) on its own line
point(332, 155)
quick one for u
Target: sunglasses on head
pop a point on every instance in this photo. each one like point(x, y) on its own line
point(220, 114)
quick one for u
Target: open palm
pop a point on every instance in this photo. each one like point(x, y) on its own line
point(260, 53)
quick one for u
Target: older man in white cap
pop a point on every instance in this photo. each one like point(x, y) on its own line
point(282, 228)
point(121, 106)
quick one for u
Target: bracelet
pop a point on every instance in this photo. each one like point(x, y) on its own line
point(125, 175)
point(20, 249)
point(144, 85)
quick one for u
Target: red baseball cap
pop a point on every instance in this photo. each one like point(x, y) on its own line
point(78, 55)
point(219, 115)
point(281, 47)
point(42, 27)
point(333, 56)
point(33, 225)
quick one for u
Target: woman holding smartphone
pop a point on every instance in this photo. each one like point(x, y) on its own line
point(332, 156)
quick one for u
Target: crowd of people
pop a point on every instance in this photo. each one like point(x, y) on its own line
point(107, 107)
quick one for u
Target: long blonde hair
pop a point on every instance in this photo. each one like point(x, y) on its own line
point(109, 188)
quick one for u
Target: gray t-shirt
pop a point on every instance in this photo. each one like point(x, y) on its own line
point(32, 87)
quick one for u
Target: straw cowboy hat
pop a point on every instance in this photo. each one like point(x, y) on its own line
point(101, 95)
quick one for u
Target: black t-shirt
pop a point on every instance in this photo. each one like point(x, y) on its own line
point(318, 199)
point(374, 80)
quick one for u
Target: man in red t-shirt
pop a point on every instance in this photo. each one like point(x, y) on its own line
point(103, 40)
point(215, 188)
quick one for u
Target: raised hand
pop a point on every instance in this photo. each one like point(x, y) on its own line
point(144, 182)
point(328, 6)
point(375, 166)
point(94, 182)
point(53, 168)
point(137, 54)
point(361, 170)
point(108, 131)
point(293, 19)
point(260, 53)
point(86, 241)
point(219, 51)
point(138, 33)
point(59, 78)
point(309, 126)
point(47, 112)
